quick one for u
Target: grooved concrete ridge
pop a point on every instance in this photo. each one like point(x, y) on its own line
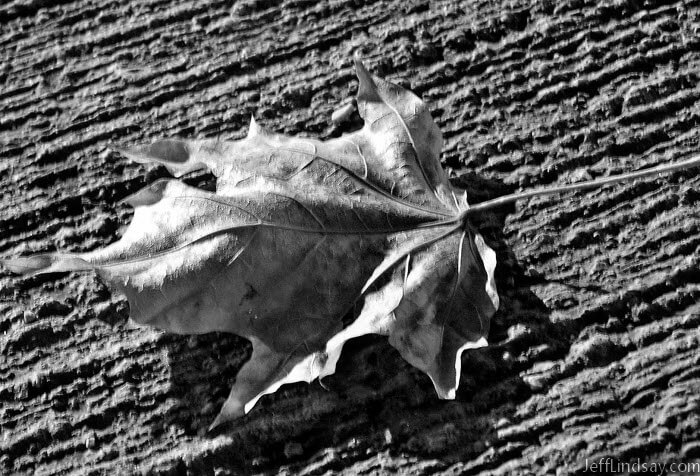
point(594, 350)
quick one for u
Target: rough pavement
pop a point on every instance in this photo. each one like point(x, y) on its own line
point(594, 349)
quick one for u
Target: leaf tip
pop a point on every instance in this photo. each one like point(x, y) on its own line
point(254, 128)
point(216, 423)
point(367, 89)
point(22, 265)
point(232, 409)
point(44, 263)
point(148, 195)
point(173, 153)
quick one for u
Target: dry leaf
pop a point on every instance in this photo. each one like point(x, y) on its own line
point(300, 233)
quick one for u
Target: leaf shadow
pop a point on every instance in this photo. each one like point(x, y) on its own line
point(375, 401)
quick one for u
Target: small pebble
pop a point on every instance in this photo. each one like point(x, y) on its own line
point(192, 342)
point(90, 441)
point(29, 316)
point(388, 438)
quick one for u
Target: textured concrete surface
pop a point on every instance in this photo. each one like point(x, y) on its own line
point(594, 350)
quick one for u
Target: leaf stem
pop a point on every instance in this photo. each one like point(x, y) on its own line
point(507, 199)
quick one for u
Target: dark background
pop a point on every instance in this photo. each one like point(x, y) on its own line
point(594, 351)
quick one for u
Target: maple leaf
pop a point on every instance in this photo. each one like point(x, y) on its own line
point(301, 233)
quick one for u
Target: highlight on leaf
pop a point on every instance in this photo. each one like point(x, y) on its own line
point(298, 234)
